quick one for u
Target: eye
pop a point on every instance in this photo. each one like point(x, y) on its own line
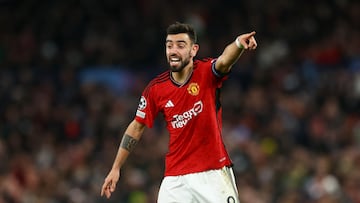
point(181, 45)
point(169, 46)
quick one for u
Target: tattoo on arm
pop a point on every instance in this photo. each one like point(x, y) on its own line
point(128, 142)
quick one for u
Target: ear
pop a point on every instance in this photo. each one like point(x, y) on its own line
point(194, 50)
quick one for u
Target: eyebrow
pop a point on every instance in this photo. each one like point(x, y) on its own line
point(176, 41)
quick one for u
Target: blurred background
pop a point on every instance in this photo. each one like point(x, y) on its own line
point(71, 74)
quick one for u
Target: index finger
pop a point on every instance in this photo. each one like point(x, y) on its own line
point(104, 187)
point(249, 35)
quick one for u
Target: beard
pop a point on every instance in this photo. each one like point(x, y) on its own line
point(179, 67)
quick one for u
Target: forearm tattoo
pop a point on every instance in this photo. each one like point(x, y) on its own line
point(128, 142)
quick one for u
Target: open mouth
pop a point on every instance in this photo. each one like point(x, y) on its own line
point(174, 61)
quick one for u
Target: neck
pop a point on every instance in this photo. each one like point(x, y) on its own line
point(182, 76)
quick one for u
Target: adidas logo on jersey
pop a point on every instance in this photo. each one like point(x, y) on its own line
point(169, 104)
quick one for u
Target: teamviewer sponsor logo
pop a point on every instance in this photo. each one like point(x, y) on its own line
point(180, 120)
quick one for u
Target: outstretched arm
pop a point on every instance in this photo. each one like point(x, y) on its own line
point(233, 51)
point(131, 136)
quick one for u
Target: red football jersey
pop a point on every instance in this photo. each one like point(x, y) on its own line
point(192, 112)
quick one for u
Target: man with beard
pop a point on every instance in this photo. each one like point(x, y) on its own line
point(197, 165)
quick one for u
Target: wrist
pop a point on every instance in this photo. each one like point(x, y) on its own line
point(116, 168)
point(238, 44)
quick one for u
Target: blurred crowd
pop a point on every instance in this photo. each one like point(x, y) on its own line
point(291, 108)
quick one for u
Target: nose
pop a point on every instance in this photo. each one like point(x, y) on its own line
point(172, 52)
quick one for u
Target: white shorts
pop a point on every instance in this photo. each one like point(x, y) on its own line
point(213, 186)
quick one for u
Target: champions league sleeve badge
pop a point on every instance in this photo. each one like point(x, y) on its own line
point(142, 103)
point(142, 106)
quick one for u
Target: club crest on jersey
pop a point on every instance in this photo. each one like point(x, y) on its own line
point(193, 89)
point(142, 103)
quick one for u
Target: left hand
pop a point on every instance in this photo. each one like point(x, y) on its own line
point(110, 183)
point(248, 40)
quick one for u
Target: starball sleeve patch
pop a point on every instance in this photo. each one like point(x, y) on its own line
point(141, 106)
point(142, 103)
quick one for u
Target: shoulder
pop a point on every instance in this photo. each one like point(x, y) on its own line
point(208, 65)
point(204, 61)
point(204, 64)
point(159, 79)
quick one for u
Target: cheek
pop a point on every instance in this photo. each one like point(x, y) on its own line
point(167, 53)
point(192, 53)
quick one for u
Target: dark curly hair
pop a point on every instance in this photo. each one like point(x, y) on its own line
point(178, 28)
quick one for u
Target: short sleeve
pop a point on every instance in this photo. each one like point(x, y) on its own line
point(147, 109)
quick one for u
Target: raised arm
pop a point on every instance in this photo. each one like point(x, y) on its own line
point(131, 136)
point(233, 51)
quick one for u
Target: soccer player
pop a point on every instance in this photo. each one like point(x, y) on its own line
point(197, 165)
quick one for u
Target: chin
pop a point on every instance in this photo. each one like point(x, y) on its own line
point(175, 69)
point(178, 68)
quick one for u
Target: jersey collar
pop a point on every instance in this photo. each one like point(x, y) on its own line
point(185, 82)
